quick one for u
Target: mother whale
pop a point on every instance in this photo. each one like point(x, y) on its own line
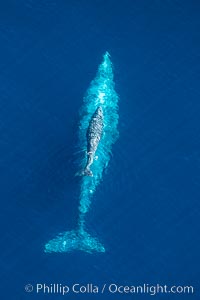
point(97, 133)
point(94, 133)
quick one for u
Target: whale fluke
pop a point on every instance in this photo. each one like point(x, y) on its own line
point(74, 240)
point(84, 172)
point(87, 172)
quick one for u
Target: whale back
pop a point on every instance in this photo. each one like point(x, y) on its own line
point(96, 125)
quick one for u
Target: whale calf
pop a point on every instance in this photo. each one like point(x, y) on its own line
point(94, 134)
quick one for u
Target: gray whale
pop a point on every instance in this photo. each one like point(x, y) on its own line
point(94, 134)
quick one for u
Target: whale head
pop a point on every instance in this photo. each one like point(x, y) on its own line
point(99, 111)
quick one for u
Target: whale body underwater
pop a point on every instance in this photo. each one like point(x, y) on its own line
point(94, 134)
point(98, 131)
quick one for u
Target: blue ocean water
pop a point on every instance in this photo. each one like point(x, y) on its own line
point(146, 210)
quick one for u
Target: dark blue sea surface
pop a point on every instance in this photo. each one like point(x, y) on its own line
point(146, 210)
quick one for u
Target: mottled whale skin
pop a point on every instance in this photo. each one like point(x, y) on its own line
point(94, 134)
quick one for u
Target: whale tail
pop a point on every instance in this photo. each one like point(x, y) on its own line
point(84, 172)
point(74, 240)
